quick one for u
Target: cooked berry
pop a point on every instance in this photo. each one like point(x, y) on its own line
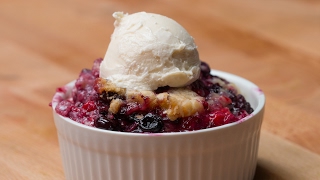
point(63, 108)
point(200, 88)
point(133, 127)
point(89, 106)
point(191, 123)
point(131, 108)
point(104, 123)
point(86, 79)
point(215, 88)
point(205, 69)
point(151, 123)
point(96, 67)
point(103, 107)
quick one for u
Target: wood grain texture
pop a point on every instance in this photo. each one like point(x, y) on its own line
point(275, 43)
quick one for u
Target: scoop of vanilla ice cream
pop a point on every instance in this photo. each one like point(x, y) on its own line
point(148, 51)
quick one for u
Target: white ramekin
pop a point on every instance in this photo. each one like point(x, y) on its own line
point(228, 152)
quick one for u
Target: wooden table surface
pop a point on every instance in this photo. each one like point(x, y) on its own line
point(274, 43)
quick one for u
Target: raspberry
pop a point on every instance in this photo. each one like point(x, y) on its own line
point(89, 106)
point(64, 107)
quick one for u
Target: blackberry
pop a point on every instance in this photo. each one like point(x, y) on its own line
point(239, 104)
point(200, 88)
point(216, 88)
point(205, 69)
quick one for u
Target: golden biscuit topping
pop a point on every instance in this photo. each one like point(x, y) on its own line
point(175, 103)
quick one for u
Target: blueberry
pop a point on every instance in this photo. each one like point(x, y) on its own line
point(107, 124)
point(151, 123)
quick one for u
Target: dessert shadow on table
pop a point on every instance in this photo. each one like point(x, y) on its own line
point(263, 173)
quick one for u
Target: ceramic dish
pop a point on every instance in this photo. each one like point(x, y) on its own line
point(226, 152)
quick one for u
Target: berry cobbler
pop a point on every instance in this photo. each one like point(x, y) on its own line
point(208, 102)
point(151, 109)
point(151, 80)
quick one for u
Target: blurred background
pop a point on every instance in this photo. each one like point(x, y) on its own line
point(45, 43)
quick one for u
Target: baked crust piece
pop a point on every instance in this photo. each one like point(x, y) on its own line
point(175, 103)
